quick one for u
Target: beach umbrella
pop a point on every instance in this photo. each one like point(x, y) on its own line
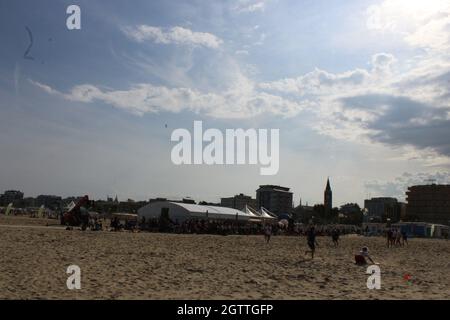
point(284, 216)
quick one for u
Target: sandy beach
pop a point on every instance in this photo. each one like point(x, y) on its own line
point(121, 265)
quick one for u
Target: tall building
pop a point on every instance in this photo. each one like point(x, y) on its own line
point(428, 203)
point(239, 201)
point(276, 199)
point(328, 198)
point(382, 208)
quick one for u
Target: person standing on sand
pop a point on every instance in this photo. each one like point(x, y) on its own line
point(405, 237)
point(335, 237)
point(267, 232)
point(389, 236)
point(398, 238)
point(311, 241)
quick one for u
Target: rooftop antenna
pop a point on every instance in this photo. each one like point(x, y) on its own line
point(431, 181)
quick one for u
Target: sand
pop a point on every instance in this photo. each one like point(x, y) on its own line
point(122, 265)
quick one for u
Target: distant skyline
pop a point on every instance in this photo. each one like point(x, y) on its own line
point(359, 89)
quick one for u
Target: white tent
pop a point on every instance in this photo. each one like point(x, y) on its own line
point(262, 213)
point(267, 214)
point(184, 211)
point(70, 206)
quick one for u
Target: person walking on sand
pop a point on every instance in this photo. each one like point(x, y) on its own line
point(311, 241)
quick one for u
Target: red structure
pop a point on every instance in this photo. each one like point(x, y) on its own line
point(75, 216)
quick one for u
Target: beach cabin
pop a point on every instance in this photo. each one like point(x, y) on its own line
point(440, 231)
point(423, 229)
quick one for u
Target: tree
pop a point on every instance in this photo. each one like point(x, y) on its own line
point(352, 214)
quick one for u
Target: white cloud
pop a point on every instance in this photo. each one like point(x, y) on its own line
point(318, 82)
point(374, 105)
point(398, 186)
point(385, 104)
point(398, 103)
point(241, 52)
point(322, 83)
point(262, 38)
point(240, 101)
point(382, 63)
point(175, 35)
point(423, 24)
point(44, 87)
point(259, 6)
point(250, 6)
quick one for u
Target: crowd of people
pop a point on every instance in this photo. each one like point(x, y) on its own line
point(396, 237)
point(228, 227)
point(95, 224)
point(118, 224)
point(201, 226)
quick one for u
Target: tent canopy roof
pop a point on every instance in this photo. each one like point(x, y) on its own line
point(182, 211)
point(197, 208)
point(262, 213)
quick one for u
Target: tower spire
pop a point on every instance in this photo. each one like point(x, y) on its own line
point(328, 198)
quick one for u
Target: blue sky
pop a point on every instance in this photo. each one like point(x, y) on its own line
point(359, 91)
